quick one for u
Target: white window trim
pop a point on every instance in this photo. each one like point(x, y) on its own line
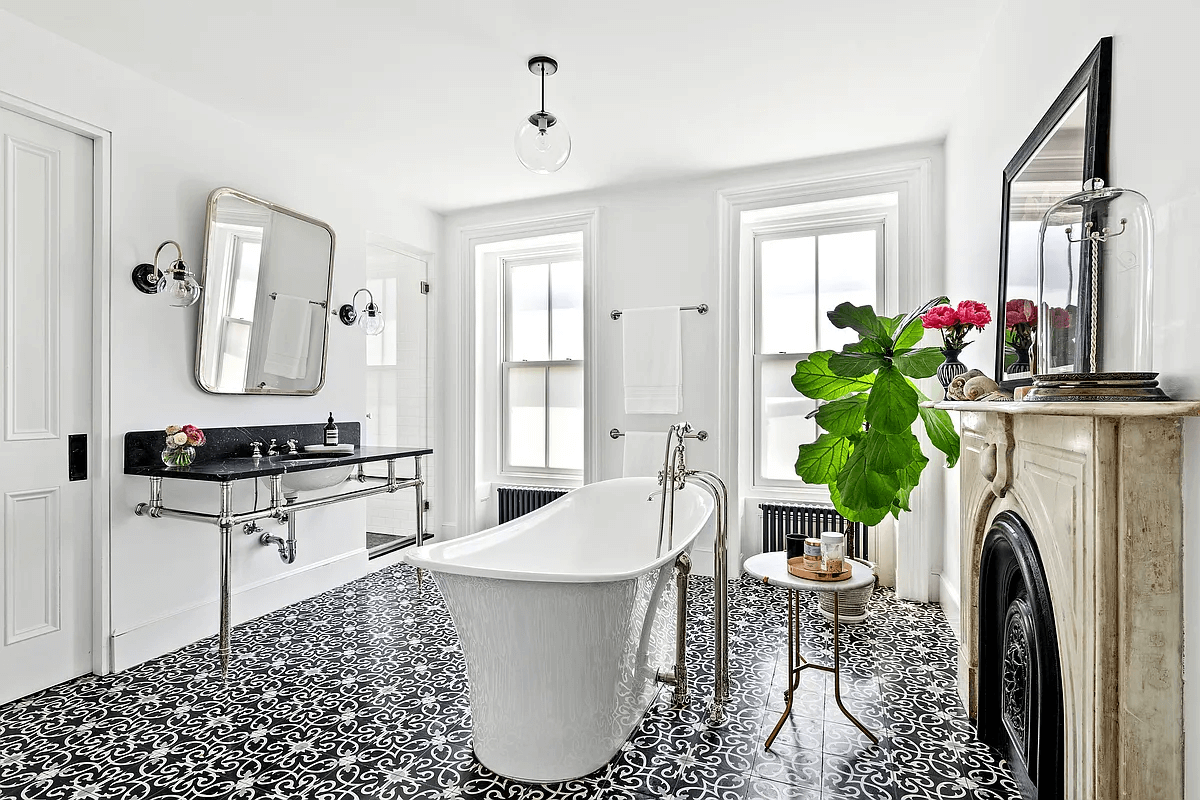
point(914, 174)
point(505, 470)
point(786, 229)
point(473, 494)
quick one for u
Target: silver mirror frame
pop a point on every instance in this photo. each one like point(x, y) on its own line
point(213, 197)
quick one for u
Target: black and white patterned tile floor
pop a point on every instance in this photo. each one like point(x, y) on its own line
point(361, 694)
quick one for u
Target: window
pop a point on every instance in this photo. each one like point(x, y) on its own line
point(800, 274)
point(542, 363)
point(242, 255)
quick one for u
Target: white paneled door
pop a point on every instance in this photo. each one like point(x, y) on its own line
point(46, 332)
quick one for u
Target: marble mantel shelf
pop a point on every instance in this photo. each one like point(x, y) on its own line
point(1182, 408)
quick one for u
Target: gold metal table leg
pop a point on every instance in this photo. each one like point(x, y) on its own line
point(794, 669)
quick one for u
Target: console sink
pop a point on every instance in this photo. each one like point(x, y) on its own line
point(311, 480)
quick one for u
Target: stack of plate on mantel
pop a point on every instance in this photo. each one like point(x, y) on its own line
point(1096, 387)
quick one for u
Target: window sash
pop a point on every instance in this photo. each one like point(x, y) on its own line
point(761, 358)
point(506, 465)
point(549, 257)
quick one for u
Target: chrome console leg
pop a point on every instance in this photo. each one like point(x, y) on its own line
point(226, 524)
point(420, 489)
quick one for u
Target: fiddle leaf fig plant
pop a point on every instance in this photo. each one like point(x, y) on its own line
point(868, 455)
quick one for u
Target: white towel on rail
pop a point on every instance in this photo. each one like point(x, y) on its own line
point(643, 454)
point(653, 355)
point(287, 343)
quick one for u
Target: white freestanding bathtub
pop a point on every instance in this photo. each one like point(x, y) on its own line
point(565, 618)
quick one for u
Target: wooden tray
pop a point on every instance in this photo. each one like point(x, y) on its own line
point(796, 567)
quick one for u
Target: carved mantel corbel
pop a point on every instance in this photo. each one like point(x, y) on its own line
point(996, 457)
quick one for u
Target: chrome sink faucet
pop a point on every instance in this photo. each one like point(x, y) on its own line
point(292, 447)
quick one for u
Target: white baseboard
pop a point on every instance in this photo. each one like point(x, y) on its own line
point(951, 606)
point(171, 632)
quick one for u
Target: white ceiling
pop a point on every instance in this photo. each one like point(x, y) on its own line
point(428, 94)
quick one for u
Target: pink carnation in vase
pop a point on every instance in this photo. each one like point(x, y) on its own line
point(1020, 312)
point(940, 317)
point(195, 437)
point(972, 312)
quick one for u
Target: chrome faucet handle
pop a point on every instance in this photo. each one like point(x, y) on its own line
point(256, 449)
point(272, 450)
point(293, 446)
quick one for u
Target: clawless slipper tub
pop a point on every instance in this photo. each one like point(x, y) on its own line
point(565, 619)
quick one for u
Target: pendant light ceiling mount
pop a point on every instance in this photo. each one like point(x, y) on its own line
point(542, 142)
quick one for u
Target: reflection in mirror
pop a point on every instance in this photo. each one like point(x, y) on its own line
point(1055, 171)
point(267, 277)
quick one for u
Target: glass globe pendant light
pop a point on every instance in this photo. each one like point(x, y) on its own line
point(543, 143)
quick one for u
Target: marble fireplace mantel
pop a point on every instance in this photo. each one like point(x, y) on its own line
point(1099, 485)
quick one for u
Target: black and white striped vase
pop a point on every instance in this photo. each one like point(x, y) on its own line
point(950, 369)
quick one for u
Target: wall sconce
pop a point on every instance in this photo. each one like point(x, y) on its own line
point(178, 282)
point(370, 319)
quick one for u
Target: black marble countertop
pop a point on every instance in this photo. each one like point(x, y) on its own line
point(226, 456)
point(236, 468)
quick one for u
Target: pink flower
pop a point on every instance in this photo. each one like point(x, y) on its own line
point(940, 317)
point(1060, 318)
point(1020, 312)
point(195, 437)
point(972, 312)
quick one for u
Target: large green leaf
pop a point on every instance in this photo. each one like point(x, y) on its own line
point(862, 319)
point(814, 378)
point(892, 406)
point(855, 365)
point(910, 474)
point(940, 430)
point(890, 453)
point(843, 417)
point(921, 363)
point(861, 487)
point(910, 336)
point(867, 516)
point(821, 461)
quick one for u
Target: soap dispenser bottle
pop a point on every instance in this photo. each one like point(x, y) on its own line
point(331, 433)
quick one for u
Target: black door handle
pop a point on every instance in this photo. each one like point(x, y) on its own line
point(77, 457)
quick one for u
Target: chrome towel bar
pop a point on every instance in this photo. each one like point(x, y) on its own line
point(321, 303)
point(698, 435)
point(700, 309)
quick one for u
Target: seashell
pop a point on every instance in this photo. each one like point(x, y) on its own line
point(979, 386)
point(955, 390)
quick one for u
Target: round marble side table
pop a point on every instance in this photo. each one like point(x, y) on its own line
point(771, 568)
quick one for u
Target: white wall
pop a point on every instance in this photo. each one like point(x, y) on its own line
point(168, 153)
point(658, 245)
point(1033, 51)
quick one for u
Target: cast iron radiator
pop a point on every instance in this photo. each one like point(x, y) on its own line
point(809, 519)
point(516, 501)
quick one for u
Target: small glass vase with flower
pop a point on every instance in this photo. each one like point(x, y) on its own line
point(181, 444)
point(955, 323)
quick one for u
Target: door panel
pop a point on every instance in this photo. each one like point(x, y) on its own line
point(45, 337)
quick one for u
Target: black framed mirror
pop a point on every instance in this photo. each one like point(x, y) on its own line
point(1068, 147)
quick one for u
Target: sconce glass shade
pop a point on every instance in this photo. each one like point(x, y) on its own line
point(371, 320)
point(179, 285)
point(1100, 239)
point(543, 143)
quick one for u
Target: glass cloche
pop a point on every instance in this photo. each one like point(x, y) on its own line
point(1095, 304)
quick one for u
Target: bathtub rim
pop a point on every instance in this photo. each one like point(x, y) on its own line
point(423, 557)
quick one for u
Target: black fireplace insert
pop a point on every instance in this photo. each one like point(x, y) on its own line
point(1020, 684)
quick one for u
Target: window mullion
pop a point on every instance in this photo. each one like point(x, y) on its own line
point(817, 292)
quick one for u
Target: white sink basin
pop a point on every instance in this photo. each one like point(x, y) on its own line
point(310, 480)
